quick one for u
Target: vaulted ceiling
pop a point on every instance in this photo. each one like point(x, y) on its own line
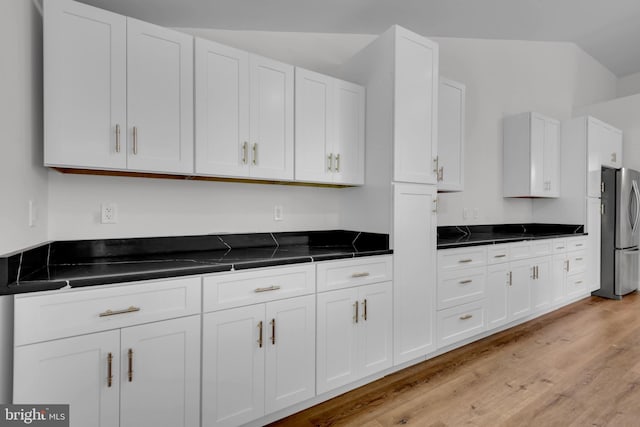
point(608, 30)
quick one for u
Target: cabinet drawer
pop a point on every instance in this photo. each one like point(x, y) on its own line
point(354, 272)
point(458, 323)
point(576, 243)
point(497, 254)
point(577, 261)
point(86, 310)
point(464, 257)
point(457, 287)
point(559, 246)
point(542, 247)
point(576, 284)
point(235, 289)
point(520, 250)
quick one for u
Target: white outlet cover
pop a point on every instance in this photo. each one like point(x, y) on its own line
point(277, 213)
point(109, 213)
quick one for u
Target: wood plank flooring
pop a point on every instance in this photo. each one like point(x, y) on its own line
point(577, 366)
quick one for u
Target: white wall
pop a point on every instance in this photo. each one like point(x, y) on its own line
point(503, 78)
point(628, 85)
point(21, 176)
point(623, 113)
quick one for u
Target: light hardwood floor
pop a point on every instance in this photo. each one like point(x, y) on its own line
point(578, 366)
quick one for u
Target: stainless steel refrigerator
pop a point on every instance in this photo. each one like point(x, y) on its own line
point(620, 255)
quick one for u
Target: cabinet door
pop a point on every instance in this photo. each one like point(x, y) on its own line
point(375, 329)
point(593, 243)
point(551, 163)
point(74, 371)
point(596, 149)
point(159, 98)
point(537, 155)
point(415, 108)
point(337, 340)
point(541, 285)
point(233, 366)
point(221, 109)
point(414, 278)
point(520, 289)
point(291, 352)
point(160, 374)
point(348, 147)
point(499, 278)
point(85, 86)
point(558, 278)
point(612, 147)
point(451, 119)
point(314, 126)
point(271, 118)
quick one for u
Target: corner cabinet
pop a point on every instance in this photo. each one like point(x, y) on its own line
point(244, 114)
point(118, 92)
point(531, 156)
point(329, 129)
point(415, 123)
point(451, 132)
point(114, 367)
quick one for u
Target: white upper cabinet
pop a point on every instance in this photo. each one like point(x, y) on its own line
point(222, 109)
point(118, 92)
point(531, 156)
point(451, 122)
point(85, 86)
point(416, 108)
point(329, 129)
point(159, 98)
point(244, 114)
point(605, 143)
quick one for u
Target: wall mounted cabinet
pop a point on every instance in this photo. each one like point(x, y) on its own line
point(329, 129)
point(531, 159)
point(118, 92)
point(451, 132)
point(244, 114)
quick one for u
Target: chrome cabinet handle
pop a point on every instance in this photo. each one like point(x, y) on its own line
point(130, 373)
point(260, 331)
point(337, 163)
point(463, 261)
point(330, 162)
point(270, 288)
point(464, 282)
point(356, 316)
point(511, 278)
point(363, 274)
point(466, 316)
point(500, 256)
point(131, 309)
point(109, 369)
point(364, 309)
point(117, 138)
point(273, 331)
point(135, 140)
point(255, 154)
point(245, 152)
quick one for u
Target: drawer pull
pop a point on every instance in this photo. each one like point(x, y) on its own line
point(270, 288)
point(578, 282)
point(260, 334)
point(131, 309)
point(578, 259)
point(363, 274)
point(109, 370)
point(130, 373)
point(466, 317)
point(578, 244)
point(464, 282)
point(559, 247)
point(500, 256)
point(463, 261)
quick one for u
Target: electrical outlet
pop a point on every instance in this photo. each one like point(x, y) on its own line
point(465, 213)
point(476, 213)
point(277, 213)
point(32, 213)
point(109, 213)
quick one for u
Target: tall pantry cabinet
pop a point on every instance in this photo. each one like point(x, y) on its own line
point(403, 66)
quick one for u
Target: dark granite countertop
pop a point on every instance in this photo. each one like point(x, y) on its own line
point(473, 235)
point(97, 262)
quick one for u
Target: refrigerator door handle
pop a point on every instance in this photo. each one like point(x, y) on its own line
point(636, 193)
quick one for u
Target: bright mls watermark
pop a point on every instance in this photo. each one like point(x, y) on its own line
point(34, 415)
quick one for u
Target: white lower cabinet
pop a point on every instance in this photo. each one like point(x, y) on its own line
point(146, 375)
point(257, 359)
point(498, 281)
point(354, 334)
point(463, 321)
